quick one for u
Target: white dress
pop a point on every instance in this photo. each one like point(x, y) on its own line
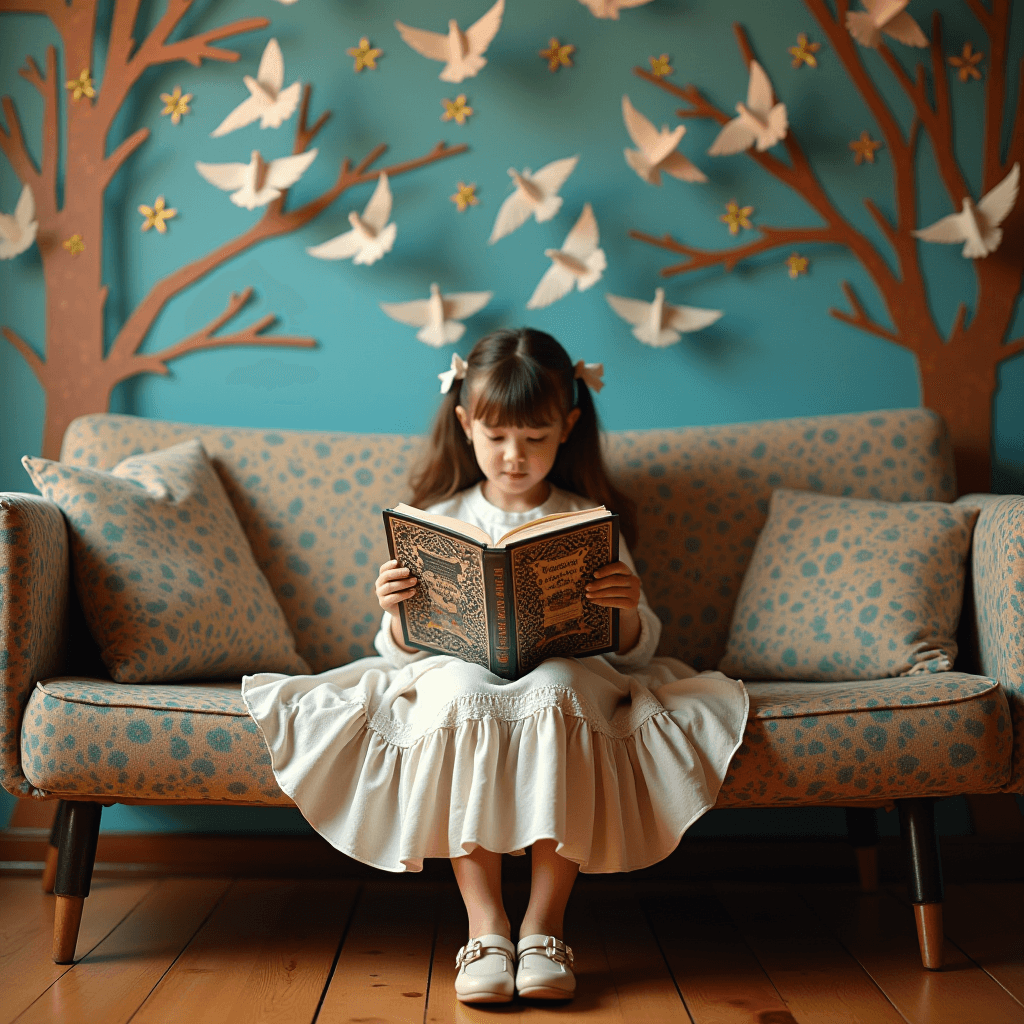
point(406, 756)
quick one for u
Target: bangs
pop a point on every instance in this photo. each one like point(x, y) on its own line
point(528, 396)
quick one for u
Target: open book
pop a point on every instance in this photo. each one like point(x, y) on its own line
point(506, 606)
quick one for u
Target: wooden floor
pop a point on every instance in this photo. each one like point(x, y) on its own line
point(218, 951)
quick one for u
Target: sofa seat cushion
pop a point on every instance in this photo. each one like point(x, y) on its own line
point(805, 743)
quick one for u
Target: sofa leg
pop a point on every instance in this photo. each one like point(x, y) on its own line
point(924, 871)
point(862, 832)
point(80, 829)
point(50, 867)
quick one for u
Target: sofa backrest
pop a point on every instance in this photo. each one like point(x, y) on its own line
point(311, 504)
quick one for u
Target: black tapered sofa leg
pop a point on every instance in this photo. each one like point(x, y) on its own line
point(80, 829)
point(924, 875)
point(50, 867)
point(862, 833)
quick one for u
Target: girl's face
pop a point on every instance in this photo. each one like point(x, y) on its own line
point(516, 460)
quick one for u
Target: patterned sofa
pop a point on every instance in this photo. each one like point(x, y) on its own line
point(310, 504)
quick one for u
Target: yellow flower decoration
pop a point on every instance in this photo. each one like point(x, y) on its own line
point(736, 216)
point(156, 215)
point(660, 66)
point(864, 148)
point(965, 63)
point(74, 244)
point(797, 265)
point(804, 51)
point(175, 104)
point(465, 197)
point(81, 86)
point(456, 110)
point(558, 55)
point(365, 55)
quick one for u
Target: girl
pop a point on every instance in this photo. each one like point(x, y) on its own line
point(598, 763)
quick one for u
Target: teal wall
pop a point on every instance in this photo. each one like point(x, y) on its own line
point(776, 351)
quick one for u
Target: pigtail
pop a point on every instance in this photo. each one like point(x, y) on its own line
point(449, 466)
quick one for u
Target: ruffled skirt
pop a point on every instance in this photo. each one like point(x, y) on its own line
point(432, 760)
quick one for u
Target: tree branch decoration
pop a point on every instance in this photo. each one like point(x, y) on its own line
point(958, 370)
point(76, 375)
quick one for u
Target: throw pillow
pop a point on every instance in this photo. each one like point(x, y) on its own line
point(844, 588)
point(165, 576)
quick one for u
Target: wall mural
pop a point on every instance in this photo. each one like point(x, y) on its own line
point(958, 369)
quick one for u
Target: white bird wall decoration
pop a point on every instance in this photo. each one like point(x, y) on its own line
point(267, 100)
point(761, 122)
point(611, 8)
point(977, 226)
point(656, 150)
point(259, 181)
point(579, 263)
point(439, 316)
point(888, 16)
point(371, 235)
point(535, 193)
point(462, 52)
point(657, 323)
point(18, 229)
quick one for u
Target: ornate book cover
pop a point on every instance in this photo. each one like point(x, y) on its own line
point(505, 607)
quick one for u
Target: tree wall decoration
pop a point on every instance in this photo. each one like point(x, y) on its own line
point(78, 372)
point(958, 369)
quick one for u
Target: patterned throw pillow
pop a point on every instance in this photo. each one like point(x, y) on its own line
point(164, 573)
point(843, 588)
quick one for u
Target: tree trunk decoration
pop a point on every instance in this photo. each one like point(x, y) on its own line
point(76, 374)
point(958, 371)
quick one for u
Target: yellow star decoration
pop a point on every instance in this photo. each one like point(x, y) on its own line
point(456, 110)
point(736, 216)
point(74, 244)
point(81, 86)
point(465, 197)
point(864, 148)
point(804, 51)
point(660, 66)
point(558, 55)
point(156, 215)
point(797, 265)
point(365, 55)
point(175, 104)
point(965, 63)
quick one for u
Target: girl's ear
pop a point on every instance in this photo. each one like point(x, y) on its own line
point(465, 422)
point(568, 423)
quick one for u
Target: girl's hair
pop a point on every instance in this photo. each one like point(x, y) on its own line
point(520, 378)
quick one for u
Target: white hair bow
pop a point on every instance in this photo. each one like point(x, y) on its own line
point(457, 372)
point(591, 374)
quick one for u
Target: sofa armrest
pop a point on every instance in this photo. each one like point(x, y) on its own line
point(997, 582)
point(34, 601)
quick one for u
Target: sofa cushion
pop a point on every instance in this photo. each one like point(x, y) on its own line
point(841, 588)
point(163, 570)
point(805, 744)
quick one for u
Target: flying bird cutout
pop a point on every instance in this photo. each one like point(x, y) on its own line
point(259, 181)
point(656, 150)
point(977, 226)
point(611, 8)
point(535, 194)
point(462, 52)
point(888, 16)
point(18, 229)
point(578, 263)
point(371, 235)
point(438, 317)
point(761, 122)
point(657, 323)
point(267, 100)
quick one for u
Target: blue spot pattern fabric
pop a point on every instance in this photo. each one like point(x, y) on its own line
point(845, 588)
point(163, 570)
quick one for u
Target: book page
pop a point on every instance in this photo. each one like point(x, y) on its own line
point(448, 522)
point(555, 521)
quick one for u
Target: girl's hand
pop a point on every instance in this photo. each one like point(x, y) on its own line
point(614, 586)
point(394, 585)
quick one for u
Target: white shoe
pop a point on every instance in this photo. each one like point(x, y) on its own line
point(545, 968)
point(486, 970)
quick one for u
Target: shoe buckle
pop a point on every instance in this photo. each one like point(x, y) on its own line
point(473, 950)
point(557, 950)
